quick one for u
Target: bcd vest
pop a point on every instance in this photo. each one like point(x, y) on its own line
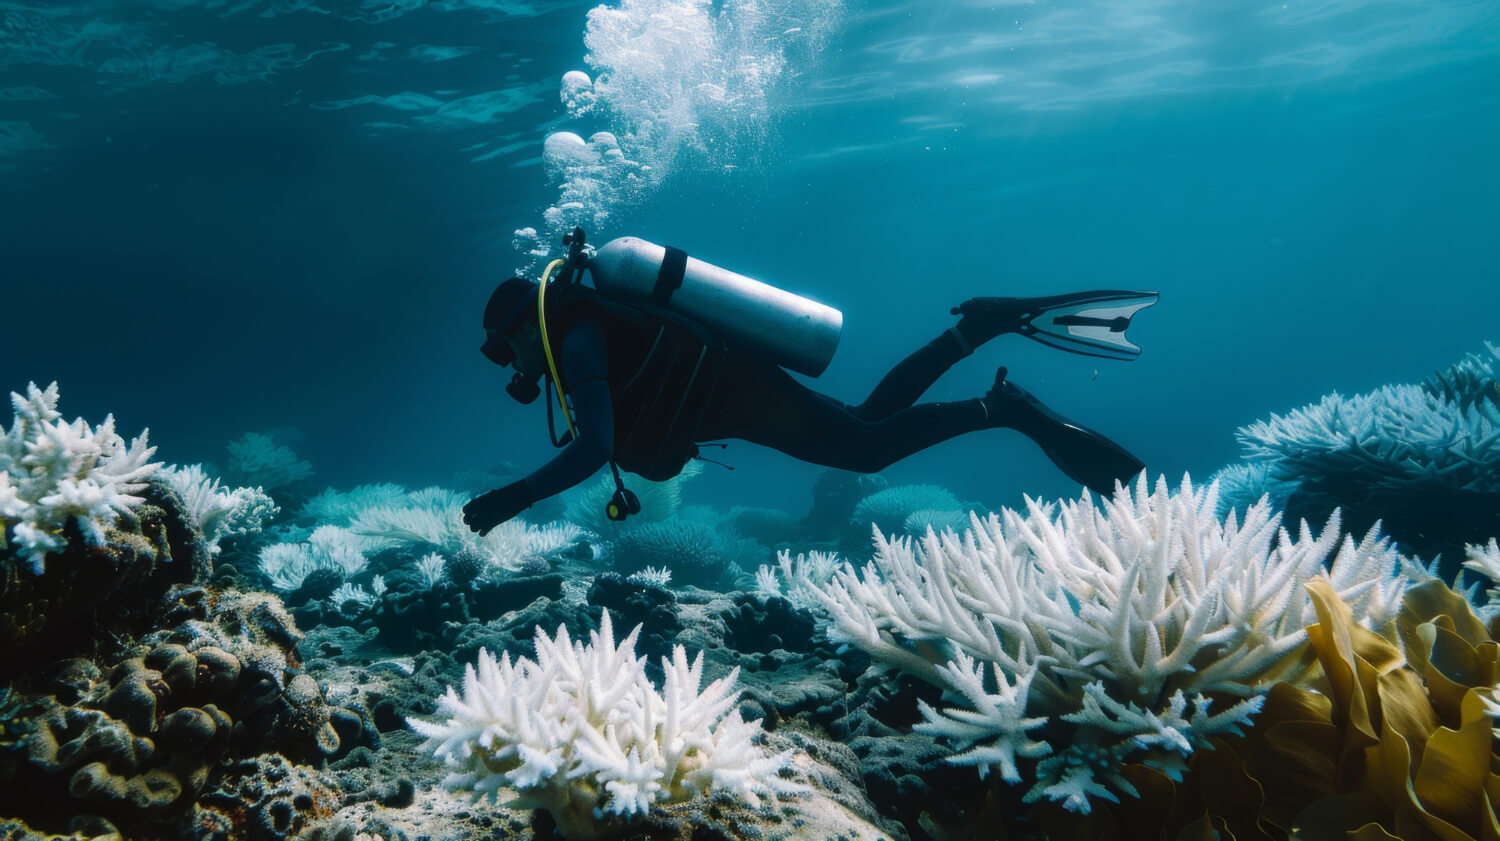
point(662, 372)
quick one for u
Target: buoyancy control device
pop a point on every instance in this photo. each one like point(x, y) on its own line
point(712, 305)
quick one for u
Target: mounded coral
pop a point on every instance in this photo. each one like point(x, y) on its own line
point(150, 742)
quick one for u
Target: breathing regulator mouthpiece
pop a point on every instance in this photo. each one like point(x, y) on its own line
point(523, 390)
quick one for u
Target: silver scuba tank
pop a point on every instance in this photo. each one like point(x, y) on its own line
point(789, 330)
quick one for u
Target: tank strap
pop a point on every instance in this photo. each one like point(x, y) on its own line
point(669, 279)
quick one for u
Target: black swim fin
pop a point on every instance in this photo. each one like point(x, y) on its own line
point(1089, 323)
point(1084, 455)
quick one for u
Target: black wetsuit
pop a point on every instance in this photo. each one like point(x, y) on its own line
point(751, 399)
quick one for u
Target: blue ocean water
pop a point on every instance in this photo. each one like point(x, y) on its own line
point(227, 216)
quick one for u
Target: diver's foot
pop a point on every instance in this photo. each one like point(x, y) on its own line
point(1083, 454)
point(982, 319)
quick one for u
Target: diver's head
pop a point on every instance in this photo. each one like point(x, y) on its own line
point(504, 315)
point(512, 337)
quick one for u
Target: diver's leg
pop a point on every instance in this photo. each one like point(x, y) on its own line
point(913, 375)
point(760, 403)
point(763, 404)
point(1087, 457)
point(980, 319)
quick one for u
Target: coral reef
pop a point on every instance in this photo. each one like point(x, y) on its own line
point(1421, 460)
point(892, 509)
point(220, 513)
point(582, 733)
point(95, 591)
point(1135, 633)
point(54, 474)
point(159, 739)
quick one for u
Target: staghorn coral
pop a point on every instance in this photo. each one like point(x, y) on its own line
point(53, 473)
point(1149, 626)
point(582, 733)
point(1486, 561)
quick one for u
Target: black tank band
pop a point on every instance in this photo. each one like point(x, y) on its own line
point(669, 279)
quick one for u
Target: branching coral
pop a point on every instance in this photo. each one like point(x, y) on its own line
point(1122, 621)
point(582, 732)
point(1424, 461)
point(52, 472)
point(220, 513)
point(431, 519)
point(286, 566)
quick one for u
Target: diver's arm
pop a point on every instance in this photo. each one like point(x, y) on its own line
point(584, 356)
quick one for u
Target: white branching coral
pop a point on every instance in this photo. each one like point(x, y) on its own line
point(1394, 454)
point(432, 519)
point(583, 733)
point(52, 471)
point(287, 565)
point(651, 576)
point(1398, 433)
point(1114, 618)
point(351, 599)
point(800, 579)
point(220, 512)
point(1485, 560)
point(431, 570)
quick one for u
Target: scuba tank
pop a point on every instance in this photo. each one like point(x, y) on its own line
point(779, 326)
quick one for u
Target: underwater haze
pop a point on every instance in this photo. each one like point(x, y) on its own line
point(225, 216)
point(332, 597)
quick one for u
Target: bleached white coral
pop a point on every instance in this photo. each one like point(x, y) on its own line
point(890, 509)
point(339, 508)
point(1401, 433)
point(350, 599)
point(431, 569)
point(800, 579)
point(432, 519)
point(52, 471)
point(1150, 600)
point(287, 565)
point(220, 513)
point(651, 576)
point(1486, 561)
point(583, 733)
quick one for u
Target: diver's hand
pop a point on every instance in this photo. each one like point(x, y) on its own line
point(489, 510)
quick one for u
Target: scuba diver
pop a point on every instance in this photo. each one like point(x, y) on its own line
point(666, 353)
